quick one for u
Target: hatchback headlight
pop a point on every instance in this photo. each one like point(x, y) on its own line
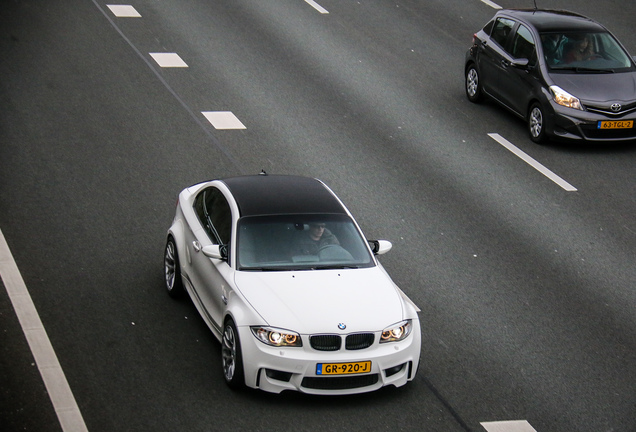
point(565, 99)
point(277, 337)
point(396, 332)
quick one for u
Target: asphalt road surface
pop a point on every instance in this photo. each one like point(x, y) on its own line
point(527, 289)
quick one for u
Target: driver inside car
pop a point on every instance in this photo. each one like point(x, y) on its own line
point(310, 241)
point(580, 48)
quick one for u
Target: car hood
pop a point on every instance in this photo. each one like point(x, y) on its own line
point(316, 301)
point(598, 87)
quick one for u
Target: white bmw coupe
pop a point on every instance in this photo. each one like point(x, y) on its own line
point(283, 276)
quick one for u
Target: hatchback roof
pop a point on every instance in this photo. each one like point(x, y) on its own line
point(546, 20)
point(258, 195)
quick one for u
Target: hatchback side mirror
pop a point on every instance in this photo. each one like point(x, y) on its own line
point(520, 63)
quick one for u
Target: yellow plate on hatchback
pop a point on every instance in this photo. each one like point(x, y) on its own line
point(616, 124)
point(343, 368)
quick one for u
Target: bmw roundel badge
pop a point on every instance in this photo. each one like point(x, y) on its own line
point(342, 326)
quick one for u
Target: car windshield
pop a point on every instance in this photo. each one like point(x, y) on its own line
point(300, 242)
point(584, 52)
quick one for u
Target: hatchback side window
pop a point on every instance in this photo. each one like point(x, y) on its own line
point(488, 27)
point(523, 45)
point(501, 30)
point(215, 215)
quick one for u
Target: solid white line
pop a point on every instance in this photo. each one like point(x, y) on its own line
point(64, 403)
point(491, 4)
point(532, 162)
point(316, 6)
point(508, 426)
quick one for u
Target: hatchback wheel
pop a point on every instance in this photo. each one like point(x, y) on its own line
point(231, 357)
point(172, 270)
point(473, 84)
point(536, 123)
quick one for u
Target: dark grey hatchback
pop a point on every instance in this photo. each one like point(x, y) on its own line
point(563, 73)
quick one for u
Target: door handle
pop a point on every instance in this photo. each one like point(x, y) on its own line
point(224, 299)
point(196, 245)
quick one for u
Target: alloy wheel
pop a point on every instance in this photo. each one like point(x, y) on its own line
point(229, 352)
point(472, 81)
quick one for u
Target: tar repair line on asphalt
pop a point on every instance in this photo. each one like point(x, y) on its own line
point(532, 162)
point(64, 403)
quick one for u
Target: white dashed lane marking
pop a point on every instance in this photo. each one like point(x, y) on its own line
point(223, 120)
point(124, 11)
point(532, 162)
point(168, 60)
point(491, 4)
point(57, 387)
point(508, 426)
point(316, 6)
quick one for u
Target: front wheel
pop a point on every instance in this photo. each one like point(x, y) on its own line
point(536, 123)
point(473, 84)
point(231, 357)
point(172, 270)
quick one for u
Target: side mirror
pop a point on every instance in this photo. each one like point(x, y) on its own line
point(215, 251)
point(521, 63)
point(380, 247)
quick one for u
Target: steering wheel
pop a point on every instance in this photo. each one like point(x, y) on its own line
point(327, 246)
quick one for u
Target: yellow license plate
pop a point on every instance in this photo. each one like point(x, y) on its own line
point(343, 368)
point(616, 124)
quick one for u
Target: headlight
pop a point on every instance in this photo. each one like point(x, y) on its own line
point(565, 99)
point(277, 337)
point(396, 332)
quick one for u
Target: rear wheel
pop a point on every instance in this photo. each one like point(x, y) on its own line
point(231, 357)
point(536, 123)
point(473, 84)
point(172, 270)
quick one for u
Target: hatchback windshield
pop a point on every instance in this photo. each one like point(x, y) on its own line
point(577, 51)
point(300, 242)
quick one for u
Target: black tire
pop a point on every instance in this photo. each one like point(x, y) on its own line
point(172, 270)
point(473, 84)
point(231, 357)
point(536, 123)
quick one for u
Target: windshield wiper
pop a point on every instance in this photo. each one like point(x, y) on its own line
point(267, 269)
point(583, 69)
point(334, 267)
point(301, 268)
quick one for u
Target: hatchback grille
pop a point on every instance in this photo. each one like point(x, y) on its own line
point(359, 341)
point(325, 342)
point(607, 110)
point(339, 383)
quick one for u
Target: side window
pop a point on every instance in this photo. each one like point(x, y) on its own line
point(501, 30)
point(488, 27)
point(215, 215)
point(523, 45)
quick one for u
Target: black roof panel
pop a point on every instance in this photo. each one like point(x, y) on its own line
point(545, 20)
point(258, 195)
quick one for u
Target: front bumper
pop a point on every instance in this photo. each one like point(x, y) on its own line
point(572, 124)
point(277, 369)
